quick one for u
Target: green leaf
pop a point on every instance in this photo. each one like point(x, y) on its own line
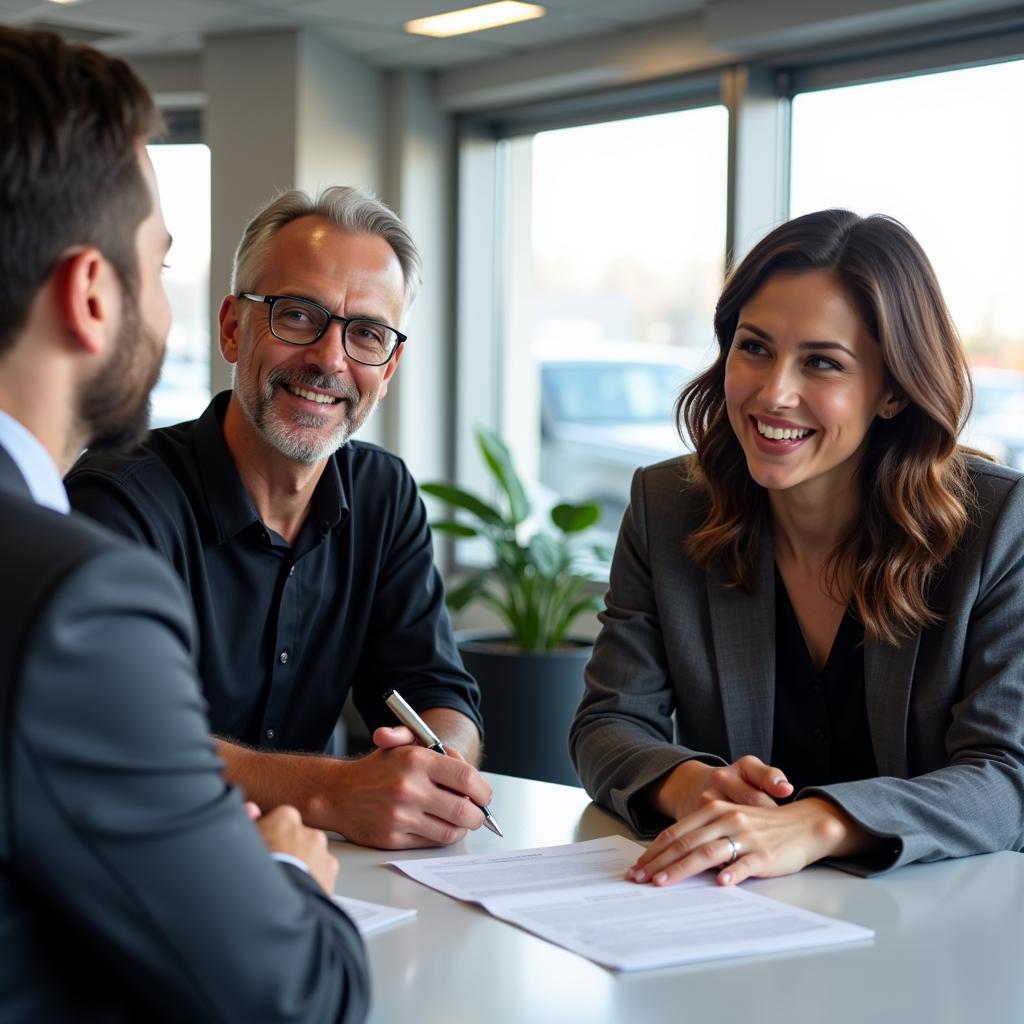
point(507, 612)
point(575, 518)
point(468, 590)
point(533, 587)
point(510, 554)
point(546, 554)
point(453, 529)
point(591, 603)
point(464, 500)
point(499, 460)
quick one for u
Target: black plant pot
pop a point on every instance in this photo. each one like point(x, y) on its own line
point(528, 701)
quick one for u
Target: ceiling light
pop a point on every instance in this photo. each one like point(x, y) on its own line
point(63, 2)
point(474, 19)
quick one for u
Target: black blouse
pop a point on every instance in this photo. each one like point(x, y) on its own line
point(821, 733)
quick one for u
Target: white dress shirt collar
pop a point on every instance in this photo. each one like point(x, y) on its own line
point(35, 464)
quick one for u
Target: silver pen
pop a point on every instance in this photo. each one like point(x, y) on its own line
point(408, 717)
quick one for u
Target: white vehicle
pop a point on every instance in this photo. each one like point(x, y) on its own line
point(996, 425)
point(606, 409)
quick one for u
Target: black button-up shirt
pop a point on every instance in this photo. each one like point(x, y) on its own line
point(286, 631)
point(821, 732)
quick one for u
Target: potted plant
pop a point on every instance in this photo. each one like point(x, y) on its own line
point(531, 675)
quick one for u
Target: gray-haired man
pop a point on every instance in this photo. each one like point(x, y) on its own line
point(308, 558)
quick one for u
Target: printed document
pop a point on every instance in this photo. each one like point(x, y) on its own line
point(576, 897)
point(371, 917)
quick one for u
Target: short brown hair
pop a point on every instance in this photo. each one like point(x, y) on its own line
point(70, 121)
point(914, 481)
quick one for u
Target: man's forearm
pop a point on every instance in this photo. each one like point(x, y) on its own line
point(269, 779)
point(455, 731)
point(395, 798)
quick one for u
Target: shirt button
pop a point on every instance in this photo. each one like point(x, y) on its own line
point(270, 734)
point(816, 688)
point(819, 734)
point(283, 657)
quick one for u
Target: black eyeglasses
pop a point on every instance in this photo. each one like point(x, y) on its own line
point(302, 321)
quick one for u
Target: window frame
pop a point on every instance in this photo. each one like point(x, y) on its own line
point(758, 96)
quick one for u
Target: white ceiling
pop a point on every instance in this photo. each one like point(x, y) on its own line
point(372, 28)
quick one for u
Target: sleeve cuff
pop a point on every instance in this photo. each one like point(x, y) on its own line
point(287, 858)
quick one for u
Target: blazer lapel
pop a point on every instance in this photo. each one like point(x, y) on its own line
point(888, 675)
point(743, 634)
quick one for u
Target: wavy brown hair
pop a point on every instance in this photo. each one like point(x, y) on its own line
point(914, 484)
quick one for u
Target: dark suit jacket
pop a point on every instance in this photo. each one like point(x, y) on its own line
point(945, 708)
point(132, 884)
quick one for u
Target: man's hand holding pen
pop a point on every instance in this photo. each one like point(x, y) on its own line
point(403, 796)
point(426, 736)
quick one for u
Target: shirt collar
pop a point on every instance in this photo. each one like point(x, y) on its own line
point(230, 507)
point(329, 502)
point(34, 463)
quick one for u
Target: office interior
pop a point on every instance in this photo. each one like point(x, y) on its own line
point(317, 92)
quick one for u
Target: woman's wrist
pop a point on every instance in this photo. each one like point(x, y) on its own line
point(673, 794)
point(835, 833)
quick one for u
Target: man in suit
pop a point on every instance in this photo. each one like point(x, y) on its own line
point(307, 555)
point(133, 885)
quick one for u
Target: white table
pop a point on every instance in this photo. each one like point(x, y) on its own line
point(949, 944)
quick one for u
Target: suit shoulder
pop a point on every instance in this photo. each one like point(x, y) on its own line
point(672, 480)
point(47, 556)
point(37, 537)
point(991, 477)
point(34, 534)
point(674, 472)
point(996, 496)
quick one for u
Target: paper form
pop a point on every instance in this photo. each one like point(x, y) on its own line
point(576, 897)
point(371, 917)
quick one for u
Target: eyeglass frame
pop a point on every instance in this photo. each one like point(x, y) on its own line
point(270, 300)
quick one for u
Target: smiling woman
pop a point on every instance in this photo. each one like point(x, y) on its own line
point(833, 383)
point(812, 645)
point(866, 357)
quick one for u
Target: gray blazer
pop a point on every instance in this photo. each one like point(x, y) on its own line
point(132, 884)
point(945, 708)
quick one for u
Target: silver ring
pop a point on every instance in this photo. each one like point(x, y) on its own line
point(735, 849)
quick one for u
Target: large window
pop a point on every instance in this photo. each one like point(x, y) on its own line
point(183, 176)
point(616, 248)
point(591, 258)
point(944, 154)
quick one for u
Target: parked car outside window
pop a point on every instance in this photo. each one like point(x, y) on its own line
point(606, 409)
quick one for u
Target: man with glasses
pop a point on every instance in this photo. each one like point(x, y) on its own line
point(308, 558)
point(133, 885)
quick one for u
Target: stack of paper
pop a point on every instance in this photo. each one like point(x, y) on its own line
point(576, 897)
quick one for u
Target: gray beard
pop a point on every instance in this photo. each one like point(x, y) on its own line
point(276, 431)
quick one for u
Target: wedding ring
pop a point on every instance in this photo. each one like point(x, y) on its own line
point(735, 849)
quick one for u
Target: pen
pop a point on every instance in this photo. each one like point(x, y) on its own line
point(405, 714)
